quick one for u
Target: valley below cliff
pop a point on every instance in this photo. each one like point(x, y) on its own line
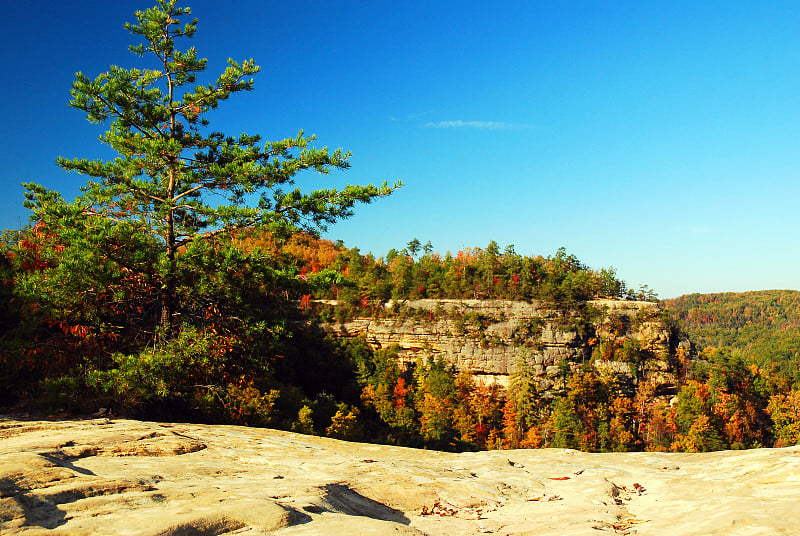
point(104, 476)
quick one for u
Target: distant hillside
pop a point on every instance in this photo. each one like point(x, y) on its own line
point(763, 324)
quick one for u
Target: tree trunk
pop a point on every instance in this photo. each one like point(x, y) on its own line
point(168, 289)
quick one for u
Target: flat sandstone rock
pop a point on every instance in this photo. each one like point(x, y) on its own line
point(140, 478)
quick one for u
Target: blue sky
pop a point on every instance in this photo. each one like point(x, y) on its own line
point(659, 138)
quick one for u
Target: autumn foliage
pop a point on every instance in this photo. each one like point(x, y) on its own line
point(243, 356)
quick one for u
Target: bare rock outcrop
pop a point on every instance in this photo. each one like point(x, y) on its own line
point(156, 479)
point(487, 337)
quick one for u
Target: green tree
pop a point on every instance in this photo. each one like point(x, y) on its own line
point(523, 392)
point(698, 427)
point(170, 166)
point(413, 247)
point(565, 425)
point(784, 409)
point(436, 402)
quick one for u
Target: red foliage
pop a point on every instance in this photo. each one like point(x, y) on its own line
point(400, 392)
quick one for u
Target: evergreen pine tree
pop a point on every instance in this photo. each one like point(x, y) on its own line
point(171, 167)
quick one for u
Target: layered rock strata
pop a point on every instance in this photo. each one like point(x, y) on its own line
point(488, 338)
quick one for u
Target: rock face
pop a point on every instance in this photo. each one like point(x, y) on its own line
point(486, 338)
point(156, 479)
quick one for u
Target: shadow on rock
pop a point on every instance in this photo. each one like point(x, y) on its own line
point(19, 507)
point(340, 498)
point(59, 459)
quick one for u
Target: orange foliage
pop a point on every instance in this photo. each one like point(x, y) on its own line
point(313, 253)
point(512, 435)
point(533, 439)
point(400, 392)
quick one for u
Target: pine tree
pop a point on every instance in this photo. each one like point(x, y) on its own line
point(171, 166)
point(522, 391)
point(414, 246)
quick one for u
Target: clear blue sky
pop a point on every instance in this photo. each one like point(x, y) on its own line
point(660, 138)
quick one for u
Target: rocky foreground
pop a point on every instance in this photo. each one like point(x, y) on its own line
point(141, 478)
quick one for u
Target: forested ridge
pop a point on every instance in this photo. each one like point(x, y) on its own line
point(763, 325)
point(143, 298)
point(416, 272)
point(301, 379)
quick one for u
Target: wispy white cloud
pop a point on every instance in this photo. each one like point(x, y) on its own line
point(410, 117)
point(480, 125)
point(420, 114)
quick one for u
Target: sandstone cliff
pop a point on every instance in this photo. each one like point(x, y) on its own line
point(486, 338)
